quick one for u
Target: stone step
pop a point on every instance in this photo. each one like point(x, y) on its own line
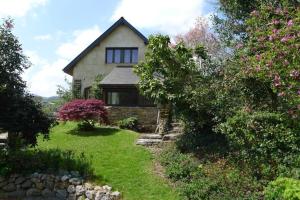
point(148, 142)
point(150, 136)
point(171, 136)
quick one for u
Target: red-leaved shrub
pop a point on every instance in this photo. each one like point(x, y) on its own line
point(86, 111)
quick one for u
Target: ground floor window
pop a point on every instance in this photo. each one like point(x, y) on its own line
point(125, 97)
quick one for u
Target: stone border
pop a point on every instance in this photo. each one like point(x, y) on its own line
point(53, 187)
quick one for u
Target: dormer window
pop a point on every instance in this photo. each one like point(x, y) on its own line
point(121, 55)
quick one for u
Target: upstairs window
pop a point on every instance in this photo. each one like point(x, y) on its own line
point(121, 55)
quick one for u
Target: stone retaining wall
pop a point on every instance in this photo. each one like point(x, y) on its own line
point(147, 116)
point(52, 187)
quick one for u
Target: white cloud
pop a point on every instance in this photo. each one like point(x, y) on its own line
point(82, 38)
point(44, 76)
point(168, 16)
point(18, 8)
point(43, 37)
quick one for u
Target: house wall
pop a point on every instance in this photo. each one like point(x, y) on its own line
point(147, 116)
point(94, 64)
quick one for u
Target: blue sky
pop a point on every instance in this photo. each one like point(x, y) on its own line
point(53, 32)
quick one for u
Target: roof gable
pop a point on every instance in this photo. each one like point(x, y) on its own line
point(118, 23)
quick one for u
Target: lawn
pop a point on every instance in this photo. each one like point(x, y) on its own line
point(116, 159)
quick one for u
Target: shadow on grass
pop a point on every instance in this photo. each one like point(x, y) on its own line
point(51, 161)
point(98, 131)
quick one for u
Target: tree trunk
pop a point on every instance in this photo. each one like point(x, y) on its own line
point(164, 118)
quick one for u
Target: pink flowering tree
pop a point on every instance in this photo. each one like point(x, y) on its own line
point(88, 112)
point(272, 53)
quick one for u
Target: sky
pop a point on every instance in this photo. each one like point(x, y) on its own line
point(53, 32)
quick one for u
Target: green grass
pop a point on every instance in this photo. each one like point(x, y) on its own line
point(116, 159)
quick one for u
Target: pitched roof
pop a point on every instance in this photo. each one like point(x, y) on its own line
point(121, 76)
point(118, 23)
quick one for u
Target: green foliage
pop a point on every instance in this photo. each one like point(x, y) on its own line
point(201, 180)
point(283, 189)
point(161, 79)
point(65, 93)
point(50, 161)
point(260, 139)
point(271, 53)
point(21, 116)
point(96, 90)
point(130, 123)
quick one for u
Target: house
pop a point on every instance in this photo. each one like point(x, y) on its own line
point(112, 55)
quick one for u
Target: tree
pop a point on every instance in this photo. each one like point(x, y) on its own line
point(96, 90)
point(201, 34)
point(171, 75)
point(88, 112)
point(21, 116)
point(65, 93)
point(231, 24)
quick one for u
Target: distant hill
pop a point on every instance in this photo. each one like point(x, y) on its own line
point(50, 99)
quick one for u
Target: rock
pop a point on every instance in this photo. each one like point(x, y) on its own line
point(88, 186)
point(20, 180)
point(27, 184)
point(100, 195)
point(35, 180)
point(107, 188)
point(49, 184)
point(35, 175)
point(90, 194)
point(65, 178)
point(48, 193)
point(2, 184)
point(96, 188)
point(39, 185)
point(16, 194)
point(75, 181)
point(33, 192)
point(103, 196)
point(81, 198)
point(75, 173)
point(62, 172)
point(71, 189)
point(79, 190)
point(116, 195)
point(62, 194)
point(2, 179)
point(9, 187)
point(72, 197)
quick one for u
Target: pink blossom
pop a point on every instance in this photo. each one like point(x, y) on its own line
point(275, 21)
point(271, 38)
point(278, 10)
point(295, 74)
point(275, 31)
point(285, 63)
point(239, 45)
point(281, 94)
point(258, 57)
point(254, 13)
point(290, 23)
point(277, 81)
point(270, 63)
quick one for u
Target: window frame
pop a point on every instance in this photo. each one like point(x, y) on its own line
point(133, 91)
point(122, 54)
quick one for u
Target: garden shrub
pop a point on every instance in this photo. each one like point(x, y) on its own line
point(130, 123)
point(50, 161)
point(261, 140)
point(199, 180)
point(283, 189)
point(178, 166)
point(87, 112)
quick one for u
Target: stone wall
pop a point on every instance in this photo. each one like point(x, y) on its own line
point(147, 116)
point(53, 187)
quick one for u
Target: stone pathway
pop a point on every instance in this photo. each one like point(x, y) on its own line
point(150, 139)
